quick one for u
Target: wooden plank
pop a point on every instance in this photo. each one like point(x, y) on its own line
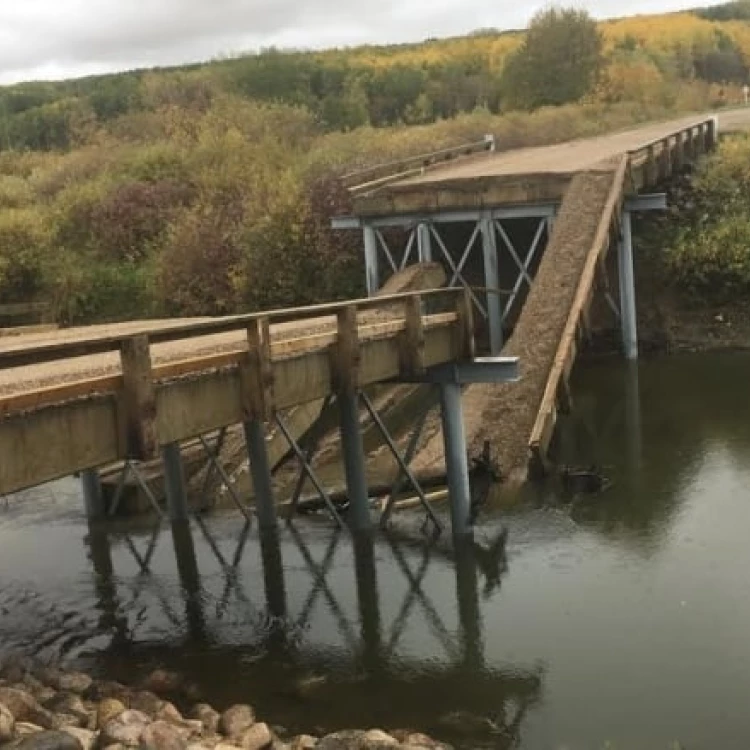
point(139, 398)
point(30, 400)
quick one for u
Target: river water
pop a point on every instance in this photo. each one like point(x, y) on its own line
point(620, 618)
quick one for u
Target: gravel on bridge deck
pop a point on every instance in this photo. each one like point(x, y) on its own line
point(505, 414)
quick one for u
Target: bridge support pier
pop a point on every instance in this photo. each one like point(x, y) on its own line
point(492, 281)
point(424, 243)
point(372, 277)
point(174, 482)
point(260, 470)
point(92, 494)
point(354, 461)
point(456, 461)
point(627, 289)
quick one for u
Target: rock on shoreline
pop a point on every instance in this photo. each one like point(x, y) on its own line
point(43, 708)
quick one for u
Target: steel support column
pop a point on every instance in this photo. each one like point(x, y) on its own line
point(372, 278)
point(260, 470)
point(627, 289)
point(424, 246)
point(492, 281)
point(456, 462)
point(174, 482)
point(92, 494)
point(354, 461)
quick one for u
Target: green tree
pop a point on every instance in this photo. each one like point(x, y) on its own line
point(558, 61)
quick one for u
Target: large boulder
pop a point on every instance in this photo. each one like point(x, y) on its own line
point(146, 701)
point(207, 716)
point(70, 704)
point(162, 735)
point(25, 707)
point(236, 719)
point(256, 737)
point(126, 729)
point(108, 709)
point(85, 737)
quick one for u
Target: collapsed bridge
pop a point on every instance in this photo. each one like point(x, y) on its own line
point(527, 232)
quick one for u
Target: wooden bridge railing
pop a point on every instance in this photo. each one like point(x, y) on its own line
point(57, 430)
point(383, 174)
point(657, 160)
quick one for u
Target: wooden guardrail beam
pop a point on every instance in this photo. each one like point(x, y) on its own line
point(20, 355)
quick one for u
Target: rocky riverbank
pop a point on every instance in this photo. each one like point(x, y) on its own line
point(44, 708)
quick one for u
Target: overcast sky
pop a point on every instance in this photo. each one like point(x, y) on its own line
point(61, 38)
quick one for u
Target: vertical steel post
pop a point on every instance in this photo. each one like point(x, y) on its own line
point(260, 470)
point(424, 243)
point(187, 568)
point(354, 460)
point(627, 289)
point(469, 611)
point(368, 599)
point(92, 494)
point(174, 482)
point(456, 462)
point(492, 282)
point(372, 277)
point(273, 573)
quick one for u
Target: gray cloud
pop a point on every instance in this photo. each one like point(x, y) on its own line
point(56, 38)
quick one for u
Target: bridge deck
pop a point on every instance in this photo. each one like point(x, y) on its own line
point(528, 175)
point(79, 400)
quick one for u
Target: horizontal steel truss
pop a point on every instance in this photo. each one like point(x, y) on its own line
point(494, 303)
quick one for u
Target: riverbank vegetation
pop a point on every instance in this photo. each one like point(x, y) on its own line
point(209, 189)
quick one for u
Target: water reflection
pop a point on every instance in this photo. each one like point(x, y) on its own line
point(367, 640)
point(635, 603)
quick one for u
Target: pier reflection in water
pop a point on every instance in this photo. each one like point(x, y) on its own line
point(352, 645)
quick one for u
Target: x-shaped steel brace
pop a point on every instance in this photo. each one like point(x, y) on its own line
point(306, 466)
point(130, 468)
point(320, 586)
point(456, 272)
point(415, 591)
point(405, 473)
point(215, 463)
point(523, 266)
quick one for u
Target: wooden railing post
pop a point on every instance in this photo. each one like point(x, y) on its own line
point(679, 151)
point(346, 356)
point(466, 348)
point(257, 372)
point(345, 381)
point(689, 145)
point(139, 399)
point(665, 160)
point(412, 341)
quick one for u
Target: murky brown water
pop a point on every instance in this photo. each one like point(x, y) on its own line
point(620, 618)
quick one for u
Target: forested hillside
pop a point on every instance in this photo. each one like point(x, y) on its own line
point(209, 188)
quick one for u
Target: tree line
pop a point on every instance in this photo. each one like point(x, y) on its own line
point(560, 59)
